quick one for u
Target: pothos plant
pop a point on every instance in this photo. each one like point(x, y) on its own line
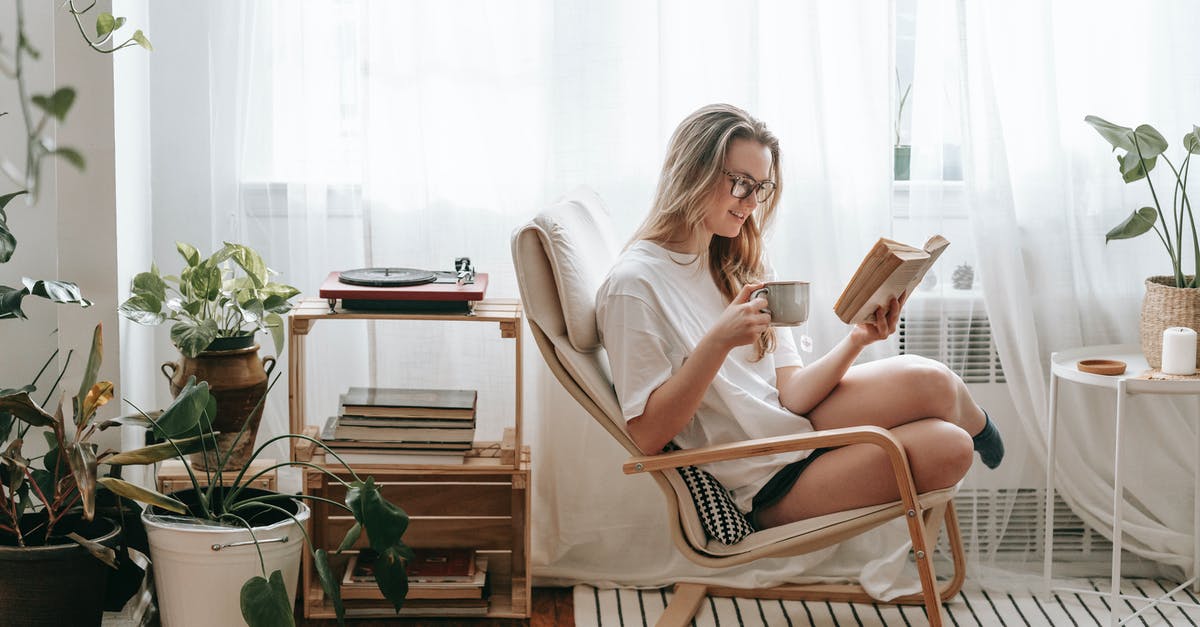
point(1142, 147)
point(211, 299)
point(186, 427)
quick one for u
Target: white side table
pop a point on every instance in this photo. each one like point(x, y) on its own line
point(1063, 367)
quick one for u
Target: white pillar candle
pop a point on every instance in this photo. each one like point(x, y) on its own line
point(1179, 351)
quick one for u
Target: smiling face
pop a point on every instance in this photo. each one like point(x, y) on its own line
point(725, 215)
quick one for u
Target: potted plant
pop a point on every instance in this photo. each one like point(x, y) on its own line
point(224, 552)
point(1171, 300)
point(216, 305)
point(56, 555)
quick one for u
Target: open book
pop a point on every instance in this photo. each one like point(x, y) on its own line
point(889, 270)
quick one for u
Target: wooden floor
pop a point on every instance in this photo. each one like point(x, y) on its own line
point(552, 607)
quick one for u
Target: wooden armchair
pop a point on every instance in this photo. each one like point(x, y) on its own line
point(561, 257)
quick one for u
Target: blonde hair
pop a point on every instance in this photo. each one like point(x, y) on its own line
point(693, 165)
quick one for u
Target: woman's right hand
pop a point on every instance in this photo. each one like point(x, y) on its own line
point(742, 321)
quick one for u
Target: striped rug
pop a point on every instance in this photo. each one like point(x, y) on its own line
point(627, 607)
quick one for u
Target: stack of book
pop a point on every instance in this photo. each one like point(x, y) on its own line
point(402, 426)
point(449, 582)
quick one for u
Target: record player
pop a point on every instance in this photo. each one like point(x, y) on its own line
point(408, 290)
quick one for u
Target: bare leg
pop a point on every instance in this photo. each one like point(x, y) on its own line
point(896, 391)
point(938, 452)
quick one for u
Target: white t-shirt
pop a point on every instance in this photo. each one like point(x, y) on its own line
point(652, 310)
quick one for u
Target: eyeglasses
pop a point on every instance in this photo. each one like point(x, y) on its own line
point(743, 186)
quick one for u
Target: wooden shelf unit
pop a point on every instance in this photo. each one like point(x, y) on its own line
point(483, 503)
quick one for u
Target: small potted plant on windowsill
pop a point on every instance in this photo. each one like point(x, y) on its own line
point(1171, 300)
point(224, 552)
point(217, 304)
point(902, 153)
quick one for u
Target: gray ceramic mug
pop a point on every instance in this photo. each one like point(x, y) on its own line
point(787, 302)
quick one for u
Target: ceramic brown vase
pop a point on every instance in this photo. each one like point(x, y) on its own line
point(1167, 306)
point(237, 379)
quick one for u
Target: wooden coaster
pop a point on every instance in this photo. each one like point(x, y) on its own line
point(1101, 366)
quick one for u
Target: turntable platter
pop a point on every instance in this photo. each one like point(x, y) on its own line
point(386, 277)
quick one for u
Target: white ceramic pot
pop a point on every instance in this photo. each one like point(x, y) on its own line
point(197, 585)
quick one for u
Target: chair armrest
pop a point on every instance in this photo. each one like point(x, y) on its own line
point(771, 446)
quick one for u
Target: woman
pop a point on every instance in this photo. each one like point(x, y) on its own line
point(696, 362)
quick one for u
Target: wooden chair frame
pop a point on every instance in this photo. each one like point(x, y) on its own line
point(924, 520)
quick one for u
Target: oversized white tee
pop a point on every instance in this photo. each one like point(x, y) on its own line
point(652, 310)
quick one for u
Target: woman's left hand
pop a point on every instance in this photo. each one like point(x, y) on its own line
point(885, 323)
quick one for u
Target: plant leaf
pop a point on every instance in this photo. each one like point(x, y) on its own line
point(106, 24)
point(332, 587)
point(265, 603)
point(24, 409)
point(99, 551)
point(57, 291)
point(143, 309)
point(1132, 170)
point(1117, 136)
point(141, 40)
point(90, 373)
point(384, 523)
point(10, 302)
point(149, 284)
point(189, 253)
point(249, 261)
point(1191, 142)
point(1137, 223)
point(182, 417)
point(192, 338)
point(275, 326)
point(74, 157)
point(12, 458)
point(8, 241)
point(56, 104)
point(100, 394)
point(1150, 142)
point(352, 535)
point(159, 452)
point(142, 495)
point(82, 458)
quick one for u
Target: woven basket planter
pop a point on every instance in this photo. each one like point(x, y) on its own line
point(1167, 306)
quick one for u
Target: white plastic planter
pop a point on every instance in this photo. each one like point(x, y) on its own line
point(197, 585)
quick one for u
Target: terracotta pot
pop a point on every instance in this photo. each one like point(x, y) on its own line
point(58, 584)
point(237, 379)
point(1166, 306)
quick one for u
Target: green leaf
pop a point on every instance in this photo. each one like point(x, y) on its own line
point(266, 603)
point(182, 417)
point(90, 373)
point(149, 284)
point(57, 104)
point(275, 326)
point(143, 309)
point(1191, 142)
point(205, 281)
point(106, 24)
point(332, 587)
point(142, 495)
point(1137, 223)
point(17, 464)
point(1117, 136)
point(141, 40)
point(159, 452)
point(25, 410)
point(8, 241)
point(189, 253)
point(249, 261)
point(71, 155)
point(10, 302)
point(384, 523)
point(192, 338)
point(1150, 142)
point(1132, 170)
point(57, 291)
point(82, 458)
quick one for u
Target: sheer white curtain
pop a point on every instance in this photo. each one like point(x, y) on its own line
point(1042, 191)
point(347, 134)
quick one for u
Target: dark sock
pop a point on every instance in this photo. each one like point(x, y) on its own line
point(988, 443)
